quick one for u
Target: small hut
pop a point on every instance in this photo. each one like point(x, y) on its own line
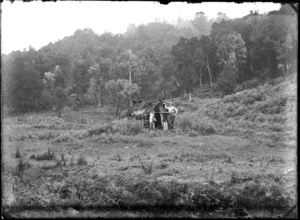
point(141, 110)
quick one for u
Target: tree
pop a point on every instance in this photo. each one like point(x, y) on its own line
point(227, 79)
point(80, 78)
point(200, 62)
point(286, 55)
point(148, 73)
point(286, 49)
point(221, 17)
point(120, 90)
point(23, 85)
point(206, 56)
point(54, 90)
point(271, 41)
point(185, 75)
point(128, 61)
point(201, 24)
point(232, 51)
point(98, 74)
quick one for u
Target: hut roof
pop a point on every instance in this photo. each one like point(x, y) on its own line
point(142, 107)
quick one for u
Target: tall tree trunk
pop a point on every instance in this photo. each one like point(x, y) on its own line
point(200, 81)
point(249, 64)
point(210, 77)
point(163, 95)
point(270, 67)
point(177, 83)
point(130, 81)
point(130, 101)
point(209, 73)
point(288, 66)
point(99, 98)
point(117, 109)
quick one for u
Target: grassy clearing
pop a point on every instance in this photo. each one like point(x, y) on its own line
point(119, 171)
point(201, 170)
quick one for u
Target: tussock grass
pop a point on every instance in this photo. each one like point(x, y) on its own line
point(49, 155)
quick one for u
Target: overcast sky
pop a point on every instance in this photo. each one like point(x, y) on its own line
point(39, 23)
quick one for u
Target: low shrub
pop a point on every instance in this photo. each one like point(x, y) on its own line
point(98, 130)
point(203, 126)
point(184, 121)
point(81, 161)
point(193, 133)
point(148, 169)
point(128, 126)
point(238, 88)
point(254, 195)
point(22, 165)
point(278, 80)
point(40, 126)
point(249, 84)
point(195, 124)
point(64, 138)
point(18, 154)
point(49, 155)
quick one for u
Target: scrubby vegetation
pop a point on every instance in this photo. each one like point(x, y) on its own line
point(128, 126)
point(263, 112)
point(202, 126)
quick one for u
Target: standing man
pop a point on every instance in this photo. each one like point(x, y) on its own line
point(151, 120)
point(173, 112)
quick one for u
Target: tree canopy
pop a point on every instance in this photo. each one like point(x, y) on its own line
point(154, 60)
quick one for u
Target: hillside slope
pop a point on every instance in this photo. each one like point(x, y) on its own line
point(268, 111)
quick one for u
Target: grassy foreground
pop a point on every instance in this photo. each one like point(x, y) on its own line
point(87, 166)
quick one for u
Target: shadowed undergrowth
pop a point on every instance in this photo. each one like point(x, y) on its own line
point(59, 188)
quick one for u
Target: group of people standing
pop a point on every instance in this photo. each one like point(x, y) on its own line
point(172, 113)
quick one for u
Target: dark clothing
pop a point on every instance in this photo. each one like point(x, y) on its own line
point(172, 119)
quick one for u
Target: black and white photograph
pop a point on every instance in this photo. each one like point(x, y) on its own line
point(149, 109)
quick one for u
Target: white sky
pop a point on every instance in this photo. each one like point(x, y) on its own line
point(39, 23)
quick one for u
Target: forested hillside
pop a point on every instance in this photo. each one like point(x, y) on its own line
point(153, 61)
